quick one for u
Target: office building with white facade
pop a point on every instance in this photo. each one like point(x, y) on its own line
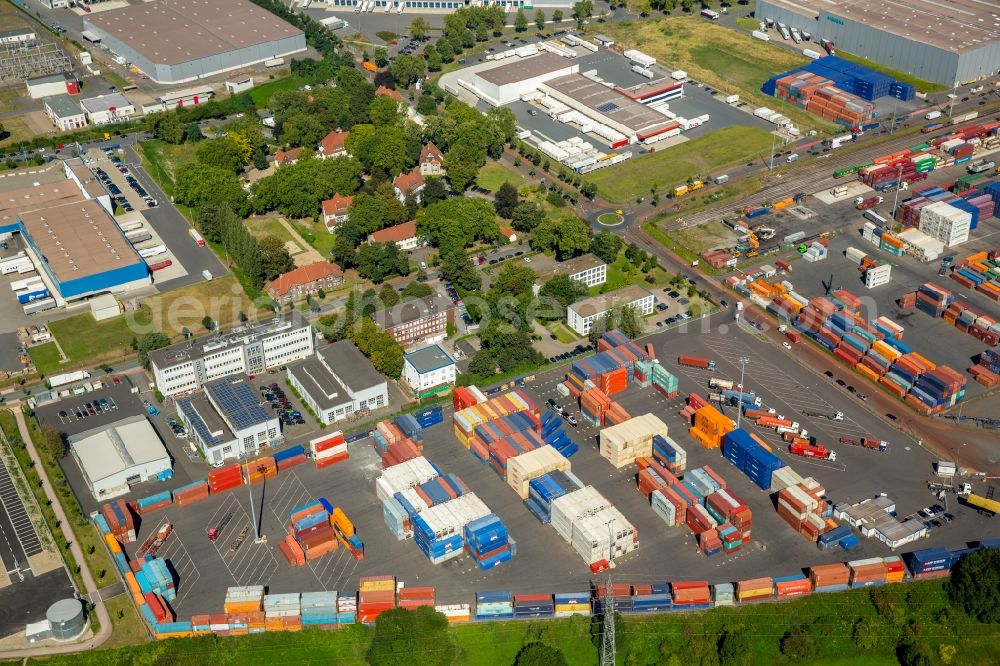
point(245, 350)
point(227, 420)
point(339, 382)
point(429, 370)
point(582, 315)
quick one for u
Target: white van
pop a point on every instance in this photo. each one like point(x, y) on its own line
point(932, 115)
point(792, 157)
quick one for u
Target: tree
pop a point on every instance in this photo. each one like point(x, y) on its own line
point(798, 644)
point(297, 190)
point(624, 318)
point(588, 190)
point(411, 638)
point(388, 295)
point(457, 268)
point(221, 153)
point(407, 69)
point(168, 127)
point(457, 223)
point(208, 323)
point(565, 236)
point(557, 294)
point(483, 364)
point(434, 191)
point(557, 16)
point(416, 290)
point(975, 585)
point(380, 56)
point(506, 200)
point(539, 19)
point(515, 279)
point(381, 349)
point(606, 246)
point(867, 633)
point(540, 654)
point(377, 261)
point(212, 217)
point(419, 27)
point(196, 184)
point(274, 258)
point(445, 50)
point(526, 216)
point(52, 445)
point(149, 342)
point(193, 133)
point(582, 11)
point(520, 21)
point(734, 648)
point(463, 160)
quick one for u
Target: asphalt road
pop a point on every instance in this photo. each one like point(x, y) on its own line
point(173, 229)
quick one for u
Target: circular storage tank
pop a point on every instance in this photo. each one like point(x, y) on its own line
point(66, 619)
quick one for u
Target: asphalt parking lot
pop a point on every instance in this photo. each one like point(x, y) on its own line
point(27, 602)
point(543, 561)
point(19, 539)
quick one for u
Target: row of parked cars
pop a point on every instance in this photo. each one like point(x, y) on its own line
point(93, 408)
point(273, 394)
point(129, 178)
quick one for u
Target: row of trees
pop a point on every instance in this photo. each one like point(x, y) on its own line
point(259, 261)
point(355, 323)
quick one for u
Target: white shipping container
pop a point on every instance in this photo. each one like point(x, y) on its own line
point(678, 75)
point(854, 255)
point(732, 99)
point(878, 276)
point(762, 36)
point(812, 55)
point(567, 509)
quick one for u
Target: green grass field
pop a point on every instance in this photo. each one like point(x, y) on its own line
point(672, 166)
point(493, 175)
point(46, 358)
point(921, 85)
point(730, 61)
point(562, 332)
point(262, 94)
point(87, 342)
point(261, 227)
point(315, 234)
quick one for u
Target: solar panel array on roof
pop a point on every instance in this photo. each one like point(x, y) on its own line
point(238, 402)
point(195, 421)
point(607, 107)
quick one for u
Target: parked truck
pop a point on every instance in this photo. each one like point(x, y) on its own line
point(985, 505)
point(741, 398)
point(696, 362)
point(812, 451)
point(833, 416)
point(866, 442)
point(862, 203)
point(979, 166)
point(717, 383)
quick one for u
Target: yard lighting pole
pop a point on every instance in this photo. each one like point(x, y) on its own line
point(253, 509)
point(611, 543)
point(771, 167)
point(743, 369)
point(899, 184)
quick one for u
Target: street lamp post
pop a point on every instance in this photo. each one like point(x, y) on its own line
point(253, 510)
point(611, 542)
point(743, 369)
point(895, 201)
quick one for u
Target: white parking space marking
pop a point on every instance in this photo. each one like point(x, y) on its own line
point(183, 564)
point(11, 502)
point(250, 563)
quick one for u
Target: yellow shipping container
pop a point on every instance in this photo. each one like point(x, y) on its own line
point(113, 544)
point(572, 608)
point(378, 586)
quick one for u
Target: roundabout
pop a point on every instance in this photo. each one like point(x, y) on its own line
point(611, 218)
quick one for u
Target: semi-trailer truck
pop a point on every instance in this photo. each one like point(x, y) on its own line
point(833, 416)
point(866, 442)
point(811, 451)
point(696, 362)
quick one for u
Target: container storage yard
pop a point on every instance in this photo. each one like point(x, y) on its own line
point(513, 512)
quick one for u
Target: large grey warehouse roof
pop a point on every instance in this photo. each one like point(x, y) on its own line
point(520, 69)
point(957, 25)
point(169, 32)
point(608, 102)
point(108, 450)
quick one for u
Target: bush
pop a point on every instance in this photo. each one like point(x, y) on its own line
point(975, 585)
point(798, 644)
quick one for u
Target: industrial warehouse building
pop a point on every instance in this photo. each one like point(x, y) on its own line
point(67, 231)
point(339, 382)
point(227, 419)
point(948, 43)
point(520, 75)
point(113, 458)
point(173, 41)
point(249, 350)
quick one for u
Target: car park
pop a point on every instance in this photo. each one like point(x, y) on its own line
point(661, 307)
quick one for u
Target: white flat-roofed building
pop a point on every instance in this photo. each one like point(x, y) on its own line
point(227, 419)
point(339, 382)
point(246, 350)
point(429, 370)
point(107, 109)
point(582, 315)
point(517, 76)
point(587, 269)
point(64, 112)
point(17, 36)
point(115, 457)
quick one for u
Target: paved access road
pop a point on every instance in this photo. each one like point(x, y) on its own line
point(18, 540)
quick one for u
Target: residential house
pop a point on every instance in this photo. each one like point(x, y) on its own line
point(418, 321)
point(431, 161)
point(283, 157)
point(382, 91)
point(509, 234)
point(336, 210)
point(406, 184)
point(403, 235)
point(332, 145)
point(296, 284)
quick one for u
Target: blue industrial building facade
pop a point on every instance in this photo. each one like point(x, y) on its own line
point(88, 283)
point(905, 54)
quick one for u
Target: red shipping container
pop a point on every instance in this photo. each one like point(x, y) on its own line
point(331, 460)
